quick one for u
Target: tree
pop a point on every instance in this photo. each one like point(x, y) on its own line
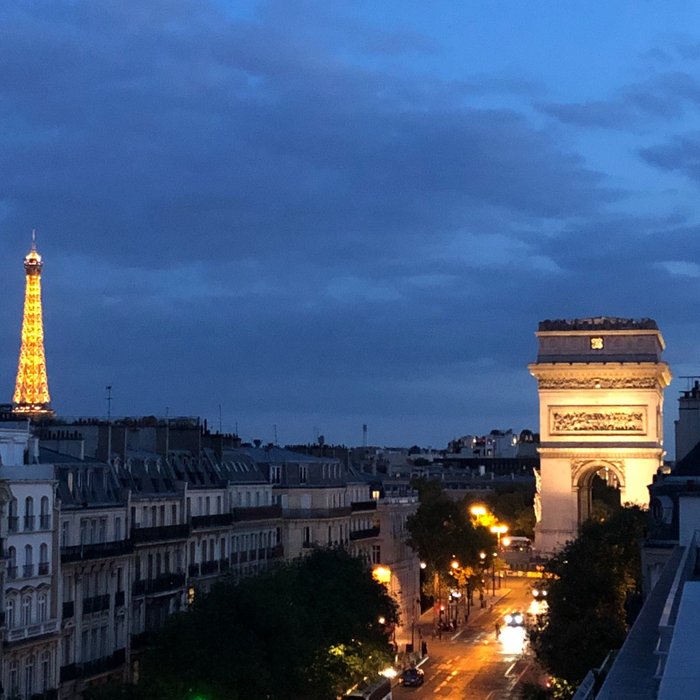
point(442, 531)
point(594, 578)
point(308, 629)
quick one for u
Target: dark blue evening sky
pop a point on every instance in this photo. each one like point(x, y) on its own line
point(322, 214)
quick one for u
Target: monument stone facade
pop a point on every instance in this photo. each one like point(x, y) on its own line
point(601, 386)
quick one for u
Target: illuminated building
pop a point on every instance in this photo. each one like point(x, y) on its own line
point(32, 388)
point(600, 382)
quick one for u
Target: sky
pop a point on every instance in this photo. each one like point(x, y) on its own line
point(296, 218)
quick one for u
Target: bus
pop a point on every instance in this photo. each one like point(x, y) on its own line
point(517, 544)
point(381, 690)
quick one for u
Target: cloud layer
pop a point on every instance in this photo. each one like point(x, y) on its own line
point(317, 218)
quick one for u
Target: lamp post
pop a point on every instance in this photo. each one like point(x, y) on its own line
point(493, 572)
point(499, 530)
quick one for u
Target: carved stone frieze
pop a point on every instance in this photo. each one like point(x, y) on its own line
point(578, 382)
point(597, 419)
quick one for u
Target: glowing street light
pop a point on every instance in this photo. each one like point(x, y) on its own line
point(478, 511)
point(499, 530)
point(382, 574)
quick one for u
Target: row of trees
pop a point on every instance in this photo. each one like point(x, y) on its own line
point(308, 629)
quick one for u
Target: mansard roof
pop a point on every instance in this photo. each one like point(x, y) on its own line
point(689, 465)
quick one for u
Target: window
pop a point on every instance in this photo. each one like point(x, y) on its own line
point(29, 513)
point(162, 515)
point(42, 608)
point(376, 554)
point(218, 504)
point(45, 518)
point(67, 644)
point(173, 514)
point(43, 559)
point(29, 676)
point(67, 588)
point(10, 612)
point(45, 672)
point(307, 535)
point(117, 528)
point(65, 533)
point(28, 563)
point(303, 473)
point(26, 610)
point(11, 563)
point(14, 678)
point(13, 519)
point(208, 505)
point(103, 530)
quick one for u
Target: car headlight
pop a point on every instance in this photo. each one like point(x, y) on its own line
point(518, 619)
point(535, 592)
point(509, 619)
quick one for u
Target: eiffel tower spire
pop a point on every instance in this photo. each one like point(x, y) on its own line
point(32, 388)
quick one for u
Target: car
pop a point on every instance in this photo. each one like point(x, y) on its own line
point(540, 592)
point(412, 677)
point(515, 619)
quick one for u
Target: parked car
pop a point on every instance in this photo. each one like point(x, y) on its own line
point(412, 677)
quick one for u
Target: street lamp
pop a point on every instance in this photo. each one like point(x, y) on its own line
point(493, 572)
point(499, 530)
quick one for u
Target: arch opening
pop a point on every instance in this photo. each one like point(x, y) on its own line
point(599, 493)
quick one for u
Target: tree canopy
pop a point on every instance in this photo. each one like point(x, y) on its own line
point(442, 531)
point(311, 628)
point(595, 579)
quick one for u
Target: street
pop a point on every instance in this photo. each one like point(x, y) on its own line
point(471, 662)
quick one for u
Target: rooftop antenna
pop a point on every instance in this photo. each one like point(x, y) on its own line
point(364, 435)
point(109, 424)
point(221, 430)
point(33, 239)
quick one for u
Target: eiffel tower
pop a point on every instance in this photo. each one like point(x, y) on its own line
point(32, 388)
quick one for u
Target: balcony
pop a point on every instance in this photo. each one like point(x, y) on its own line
point(100, 550)
point(140, 535)
point(93, 668)
point(13, 523)
point(193, 570)
point(44, 522)
point(276, 552)
point(223, 565)
point(96, 603)
point(28, 571)
point(217, 520)
point(365, 534)
point(270, 512)
point(68, 609)
point(210, 567)
point(162, 584)
point(40, 628)
point(119, 599)
point(316, 513)
point(11, 573)
point(358, 506)
point(43, 568)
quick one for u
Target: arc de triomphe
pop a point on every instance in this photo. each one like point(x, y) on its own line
point(601, 387)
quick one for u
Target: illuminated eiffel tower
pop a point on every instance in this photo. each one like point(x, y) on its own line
point(32, 387)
